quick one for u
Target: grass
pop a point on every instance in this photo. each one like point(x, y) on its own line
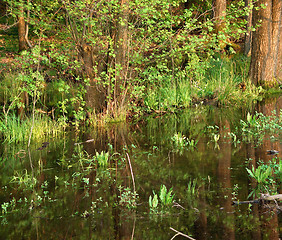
point(227, 81)
point(224, 82)
point(169, 96)
point(13, 129)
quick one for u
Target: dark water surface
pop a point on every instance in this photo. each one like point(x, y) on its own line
point(58, 192)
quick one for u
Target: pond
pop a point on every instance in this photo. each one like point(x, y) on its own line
point(186, 168)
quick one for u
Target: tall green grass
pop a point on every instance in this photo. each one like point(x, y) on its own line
point(13, 129)
point(219, 80)
point(169, 94)
point(223, 80)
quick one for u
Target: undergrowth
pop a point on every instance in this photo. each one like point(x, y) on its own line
point(223, 81)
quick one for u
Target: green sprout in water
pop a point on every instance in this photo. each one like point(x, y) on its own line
point(162, 201)
point(265, 177)
point(180, 142)
point(102, 158)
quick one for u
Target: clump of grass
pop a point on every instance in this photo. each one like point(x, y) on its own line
point(106, 118)
point(169, 92)
point(13, 129)
point(222, 80)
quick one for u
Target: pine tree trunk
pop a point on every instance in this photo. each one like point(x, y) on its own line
point(265, 66)
point(277, 40)
point(24, 44)
point(219, 14)
point(219, 17)
point(278, 66)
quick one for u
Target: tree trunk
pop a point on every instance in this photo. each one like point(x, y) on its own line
point(219, 14)
point(121, 50)
point(277, 40)
point(266, 42)
point(95, 99)
point(24, 44)
point(219, 17)
point(248, 34)
point(21, 33)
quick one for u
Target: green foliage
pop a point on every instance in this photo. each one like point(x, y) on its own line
point(168, 55)
point(161, 202)
point(102, 159)
point(268, 177)
point(13, 129)
point(258, 124)
point(127, 198)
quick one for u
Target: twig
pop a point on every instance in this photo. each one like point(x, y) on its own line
point(87, 141)
point(180, 233)
point(131, 172)
point(176, 204)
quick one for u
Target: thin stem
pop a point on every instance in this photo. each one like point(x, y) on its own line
point(131, 172)
point(33, 116)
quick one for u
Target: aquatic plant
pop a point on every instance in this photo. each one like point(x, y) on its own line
point(258, 124)
point(260, 174)
point(24, 180)
point(102, 159)
point(127, 198)
point(234, 138)
point(153, 202)
point(162, 201)
point(8, 206)
point(14, 129)
point(192, 189)
point(267, 176)
point(180, 141)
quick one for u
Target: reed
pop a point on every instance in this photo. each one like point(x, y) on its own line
point(14, 129)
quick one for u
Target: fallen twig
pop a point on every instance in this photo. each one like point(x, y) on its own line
point(176, 204)
point(87, 141)
point(180, 233)
point(262, 199)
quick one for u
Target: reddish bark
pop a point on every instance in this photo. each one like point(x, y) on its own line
point(21, 33)
point(266, 59)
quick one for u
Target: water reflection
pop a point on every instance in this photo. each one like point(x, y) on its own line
point(85, 205)
point(269, 226)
